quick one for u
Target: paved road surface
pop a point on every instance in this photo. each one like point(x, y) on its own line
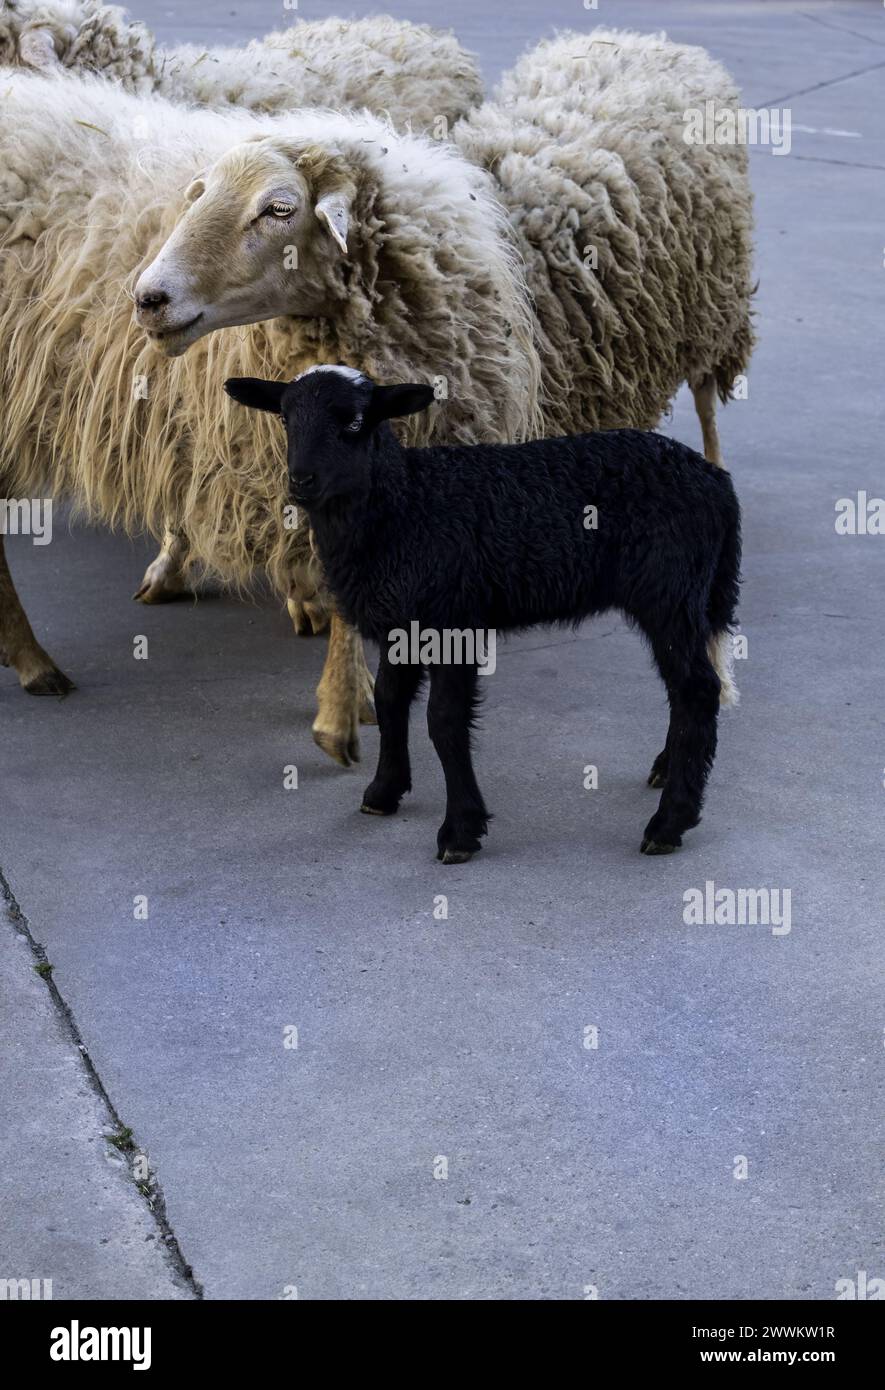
point(462, 1039)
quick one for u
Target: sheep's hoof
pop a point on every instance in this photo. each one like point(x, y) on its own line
point(657, 778)
point(656, 847)
point(308, 618)
point(159, 586)
point(455, 856)
point(51, 682)
point(376, 811)
point(367, 711)
point(301, 624)
point(341, 748)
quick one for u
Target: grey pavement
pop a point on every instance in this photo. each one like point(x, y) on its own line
point(424, 1038)
point(74, 1222)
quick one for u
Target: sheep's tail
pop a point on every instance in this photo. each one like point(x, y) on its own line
point(722, 607)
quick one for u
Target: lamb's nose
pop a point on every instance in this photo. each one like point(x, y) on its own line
point(152, 299)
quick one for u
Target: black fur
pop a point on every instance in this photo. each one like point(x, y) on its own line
point(494, 537)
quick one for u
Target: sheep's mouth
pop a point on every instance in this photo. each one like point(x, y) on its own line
point(164, 337)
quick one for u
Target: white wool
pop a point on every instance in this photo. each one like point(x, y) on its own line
point(417, 75)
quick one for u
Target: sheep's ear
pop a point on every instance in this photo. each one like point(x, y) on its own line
point(195, 189)
point(37, 49)
point(390, 402)
point(334, 209)
point(252, 391)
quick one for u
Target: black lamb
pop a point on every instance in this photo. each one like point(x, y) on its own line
point(496, 538)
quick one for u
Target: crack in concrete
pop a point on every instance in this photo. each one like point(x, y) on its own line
point(157, 1202)
point(847, 163)
point(818, 86)
point(840, 28)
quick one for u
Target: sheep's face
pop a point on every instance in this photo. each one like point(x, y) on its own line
point(256, 242)
point(332, 416)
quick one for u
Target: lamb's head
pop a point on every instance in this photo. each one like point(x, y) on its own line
point(264, 235)
point(332, 417)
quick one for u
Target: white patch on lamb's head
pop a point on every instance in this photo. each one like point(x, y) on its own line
point(257, 241)
point(349, 373)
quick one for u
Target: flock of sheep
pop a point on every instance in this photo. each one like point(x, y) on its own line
point(554, 259)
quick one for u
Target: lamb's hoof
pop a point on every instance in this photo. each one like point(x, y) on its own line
point(657, 847)
point(454, 856)
point(657, 779)
point(341, 748)
point(383, 798)
point(51, 682)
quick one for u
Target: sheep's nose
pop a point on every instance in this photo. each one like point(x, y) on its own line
point(152, 299)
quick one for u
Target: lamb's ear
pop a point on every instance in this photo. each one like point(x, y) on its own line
point(390, 402)
point(252, 391)
point(37, 49)
point(334, 209)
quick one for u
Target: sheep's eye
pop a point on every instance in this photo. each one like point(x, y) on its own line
point(355, 425)
point(280, 210)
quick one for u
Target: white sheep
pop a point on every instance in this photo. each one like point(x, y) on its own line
point(428, 285)
point(355, 238)
point(637, 244)
point(419, 76)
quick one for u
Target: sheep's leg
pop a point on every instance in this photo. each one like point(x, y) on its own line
point(395, 689)
point(451, 711)
point(309, 607)
point(19, 648)
point(342, 694)
point(164, 576)
point(705, 398)
point(693, 689)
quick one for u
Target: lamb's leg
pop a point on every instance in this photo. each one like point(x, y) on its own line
point(661, 766)
point(343, 695)
point(19, 648)
point(395, 689)
point(164, 576)
point(705, 398)
point(693, 689)
point(451, 711)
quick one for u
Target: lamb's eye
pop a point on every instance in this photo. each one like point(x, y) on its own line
point(278, 209)
point(355, 425)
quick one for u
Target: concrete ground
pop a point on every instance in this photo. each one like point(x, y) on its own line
point(430, 1043)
